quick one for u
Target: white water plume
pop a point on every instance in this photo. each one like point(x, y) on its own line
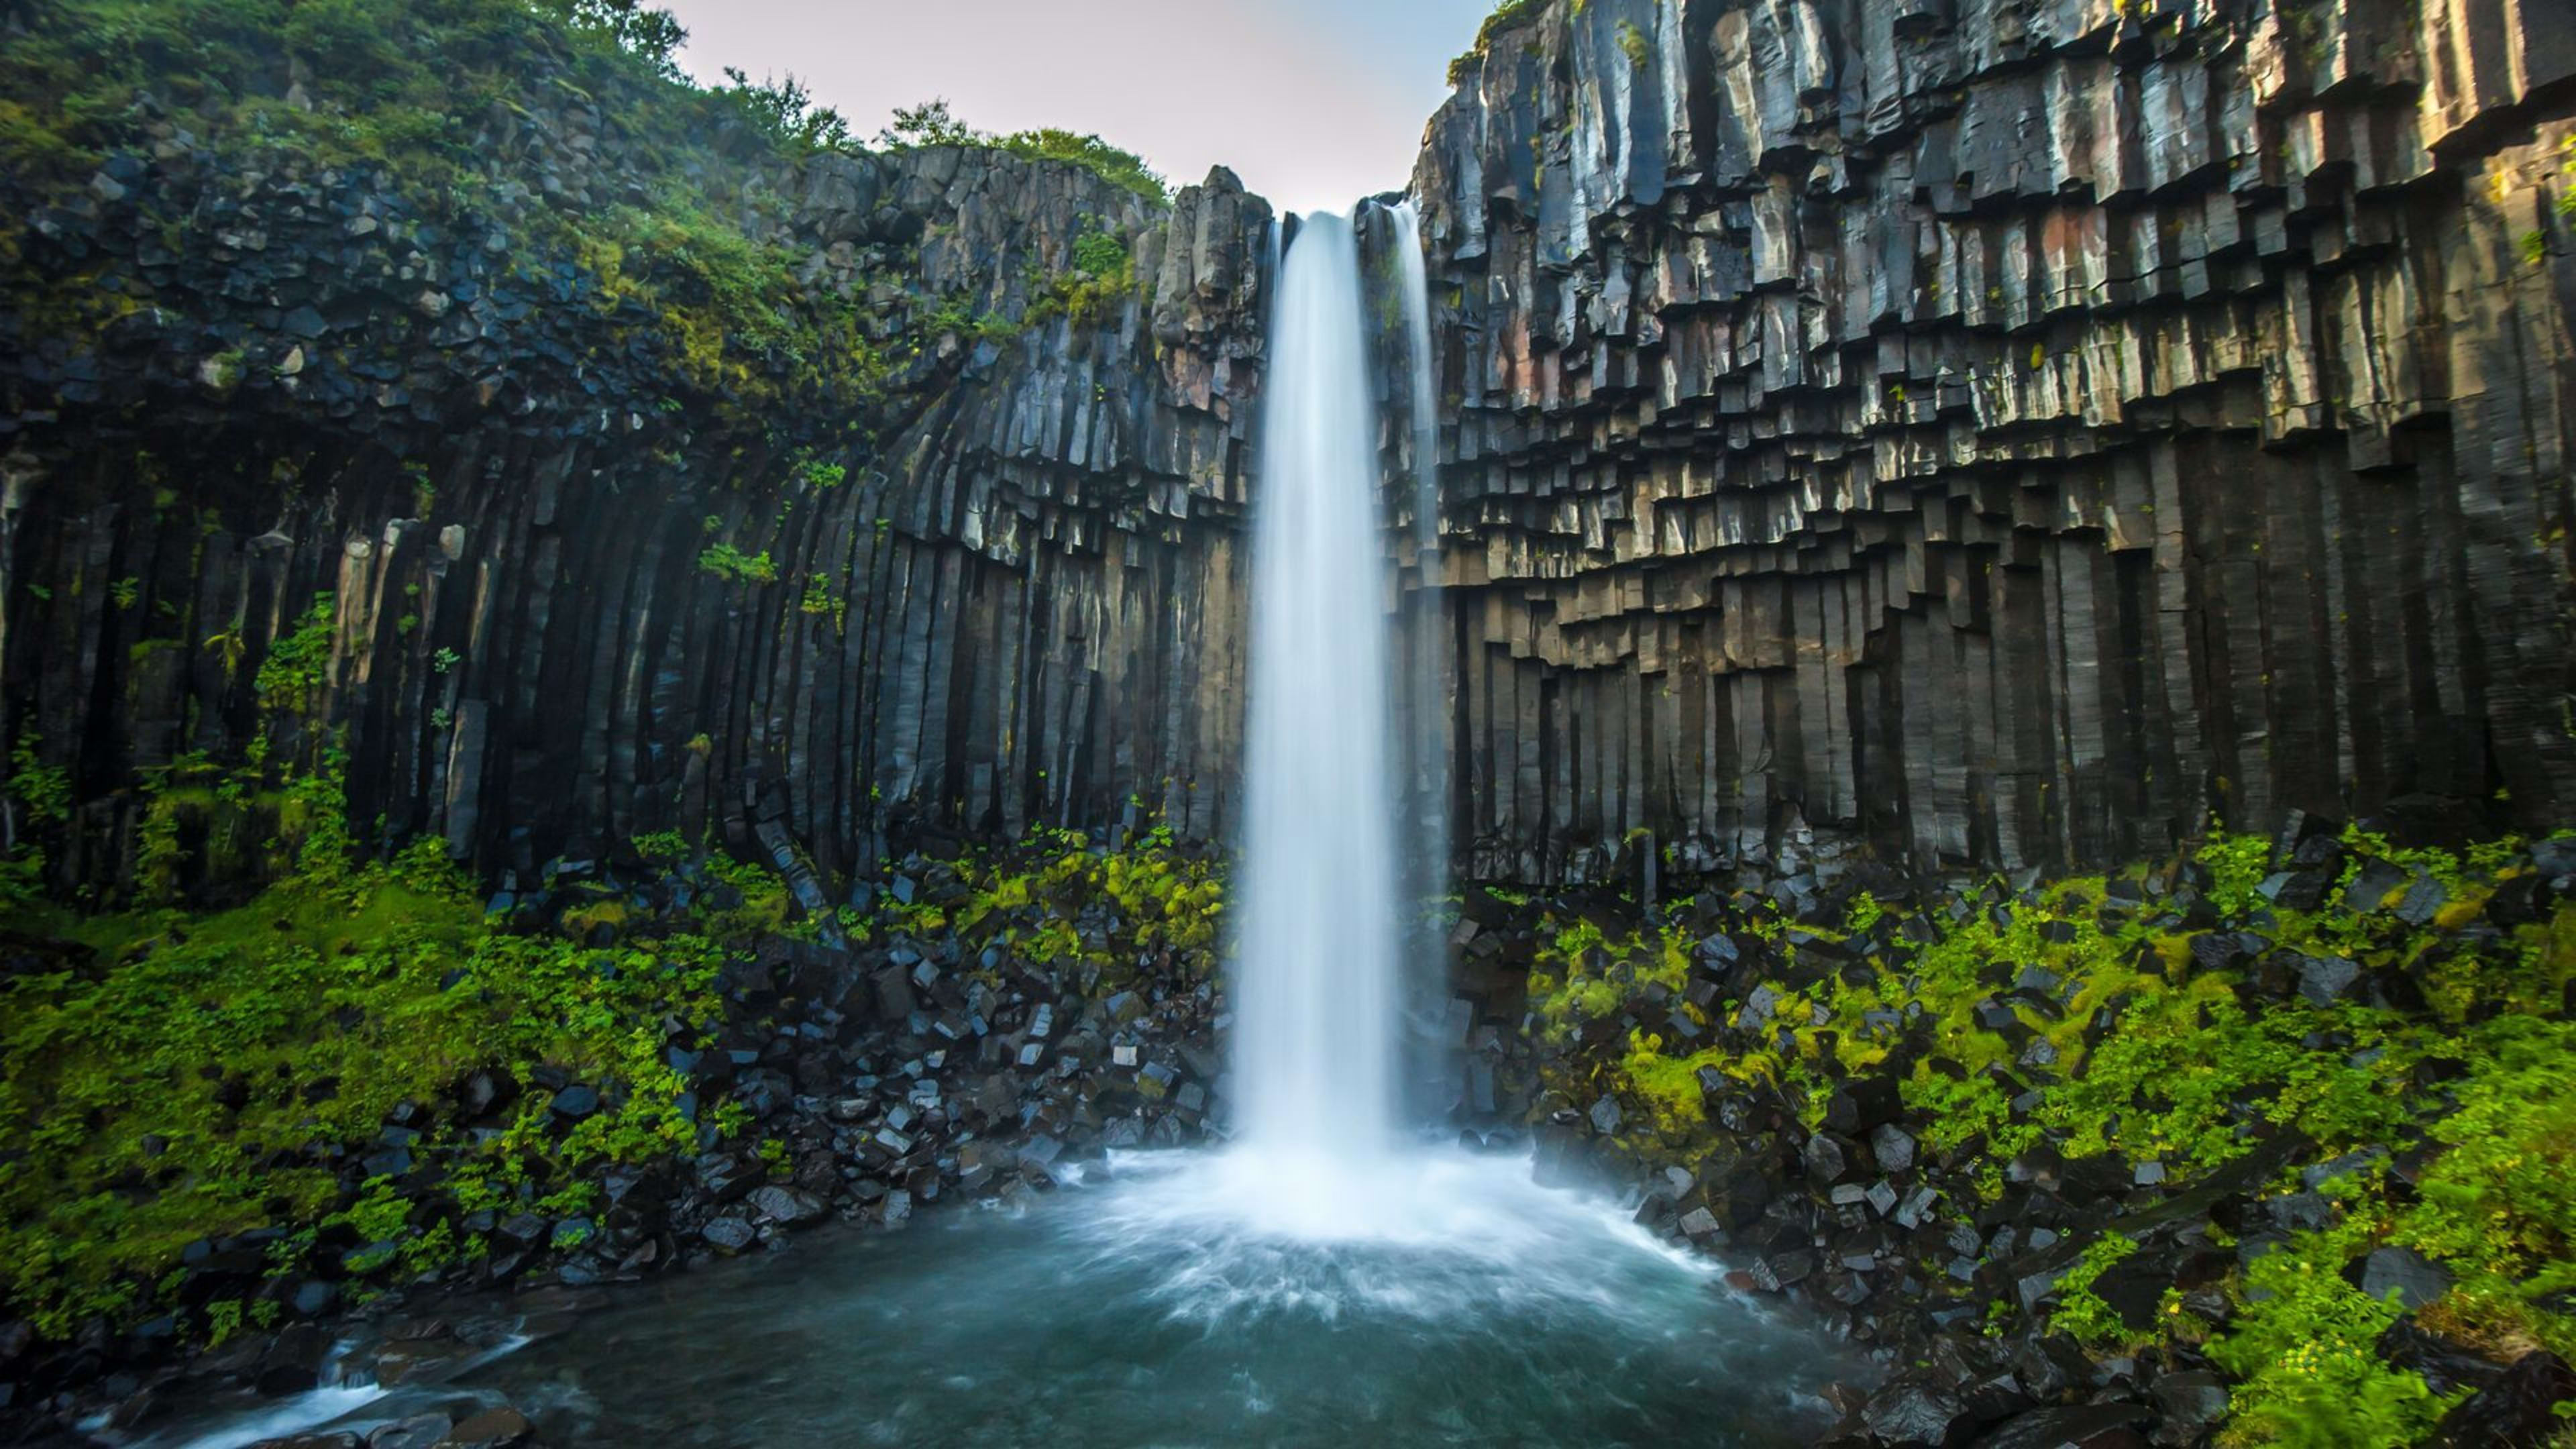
point(1315, 986)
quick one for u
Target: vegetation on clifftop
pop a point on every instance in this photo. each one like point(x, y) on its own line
point(557, 132)
point(1508, 15)
point(932, 123)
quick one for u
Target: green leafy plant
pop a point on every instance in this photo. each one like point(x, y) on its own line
point(734, 566)
point(2080, 1311)
point(1100, 277)
point(45, 791)
point(293, 672)
point(2304, 1346)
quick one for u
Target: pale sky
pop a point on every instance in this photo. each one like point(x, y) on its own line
point(1314, 103)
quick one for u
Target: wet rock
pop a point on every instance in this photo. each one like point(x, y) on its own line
point(421, 1431)
point(501, 1428)
point(2088, 1426)
point(293, 1362)
point(2415, 1279)
point(2372, 885)
point(1828, 1159)
point(1916, 1413)
point(1892, 1148)
point(2191, 1403)
point(2517, 1411)
point(1856, 1108)
point(2423, 901)
point(2445, 1366)
point(729, 1234)
point(1775, 1272)
point(786, 1206)
point(2325, 980)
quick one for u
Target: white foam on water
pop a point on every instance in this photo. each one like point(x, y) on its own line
point(1438, 1235)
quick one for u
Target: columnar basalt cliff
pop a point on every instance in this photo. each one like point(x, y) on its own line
point(2001, 434)
point(583, 586)
point(2004, 433)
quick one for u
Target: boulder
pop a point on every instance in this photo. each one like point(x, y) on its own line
point(2086, 1426)
point(500, 1428)
point(2517, 1411)
point(785, 1206)
point(2191, 1403)
point(2415, 1279)
point(1916, 1412)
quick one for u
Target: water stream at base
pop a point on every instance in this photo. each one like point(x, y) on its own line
point(1160, 1304)
point(1323, 1280)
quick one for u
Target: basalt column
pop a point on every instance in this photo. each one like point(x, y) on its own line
point(562, 608)
point(2005, 433)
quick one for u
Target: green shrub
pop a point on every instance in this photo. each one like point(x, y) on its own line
point(785, 111)
point(1100, 277)
point(1507, 16)
point(2304, 1345)
point(932, 123)
point(2081, 1312)
point(2237, 866)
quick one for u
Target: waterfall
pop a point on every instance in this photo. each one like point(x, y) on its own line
point(1426, 681)
point(1426, 419)
point(1316, 992)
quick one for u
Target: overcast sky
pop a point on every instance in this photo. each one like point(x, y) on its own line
point(1314, 103)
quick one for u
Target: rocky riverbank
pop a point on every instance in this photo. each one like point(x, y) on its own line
point(956, 1032)
point(2266, 1145)
point(2269, 1145)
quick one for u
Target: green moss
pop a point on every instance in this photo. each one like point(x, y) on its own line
point(736, 567)
point(1169, 903)
point(2153, 1057)
point(1670, 1088)
point(1583, 976)
point(2498, 1205)
point(1634, 44)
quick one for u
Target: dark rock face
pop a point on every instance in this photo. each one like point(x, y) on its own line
point(2517, 1411)
point(2001, 433)
point(1005, 595)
